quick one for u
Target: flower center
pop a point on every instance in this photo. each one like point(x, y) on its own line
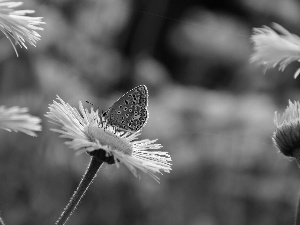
point(109, 139)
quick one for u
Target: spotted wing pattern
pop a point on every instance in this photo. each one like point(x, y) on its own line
point(130, 111)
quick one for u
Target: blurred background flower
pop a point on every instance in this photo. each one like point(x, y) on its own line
point(17, 119)
point(19, 26)
point(210, 108)
point(287, 136)
point(272, 48)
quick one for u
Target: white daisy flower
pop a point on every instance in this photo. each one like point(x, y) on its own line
point(16, 119)
point(91, 133)
point(15, 24)
point(275, 47)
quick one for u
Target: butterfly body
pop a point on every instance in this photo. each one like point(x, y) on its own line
point(130, 111)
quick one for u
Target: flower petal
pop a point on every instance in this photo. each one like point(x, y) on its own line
point(17, 119)
point(15, 24)
point(275, 47)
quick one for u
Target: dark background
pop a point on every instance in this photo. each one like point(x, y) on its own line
point(209, 107)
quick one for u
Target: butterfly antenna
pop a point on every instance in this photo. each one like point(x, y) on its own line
point(91, 104)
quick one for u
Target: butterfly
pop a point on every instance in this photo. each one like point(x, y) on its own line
point(130, 111)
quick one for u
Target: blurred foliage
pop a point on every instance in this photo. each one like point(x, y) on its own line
point(210, 108)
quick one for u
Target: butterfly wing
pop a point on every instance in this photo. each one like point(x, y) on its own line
point(130, 111)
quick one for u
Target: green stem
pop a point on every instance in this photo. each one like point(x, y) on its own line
point(297, 220)
point(85, 182)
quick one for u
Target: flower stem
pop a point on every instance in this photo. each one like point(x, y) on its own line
point(296, 154)
point(297, 216)
point(85, 182)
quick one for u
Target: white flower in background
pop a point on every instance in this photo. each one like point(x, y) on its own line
point(89, 133)
point(275, 47)
point(287, 134)
point(15, 24)
point(17, 119)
